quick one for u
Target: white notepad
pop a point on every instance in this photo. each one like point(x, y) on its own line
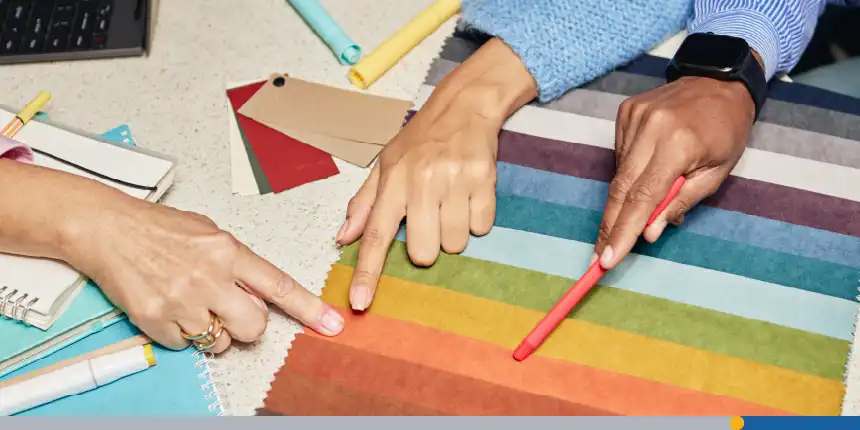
point(37, 291)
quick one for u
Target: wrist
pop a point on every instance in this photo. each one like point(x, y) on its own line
point(493, 83)
point(78, 232)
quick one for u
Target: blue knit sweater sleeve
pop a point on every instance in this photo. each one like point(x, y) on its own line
point(566, 43)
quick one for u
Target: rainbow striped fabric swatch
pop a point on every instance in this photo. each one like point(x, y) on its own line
point(746, 309)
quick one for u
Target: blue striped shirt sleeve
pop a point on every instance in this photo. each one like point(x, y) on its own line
point(779, 30)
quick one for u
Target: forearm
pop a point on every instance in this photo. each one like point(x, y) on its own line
point(565, 44)
point(44, 212)
point(492, 84)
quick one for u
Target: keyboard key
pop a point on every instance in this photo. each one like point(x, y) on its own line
point(99, 41)
point(80, 42)
point(9, 45)
point(105, 9)
point(84, 22)
point(61, 28)
point(64, 12)
point(56, 43)
point(18, 12)
point(101, 25)
point(38, 26)
point(32, 44)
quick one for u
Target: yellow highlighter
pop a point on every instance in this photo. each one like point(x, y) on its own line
point(26, 114)
point(371, 67)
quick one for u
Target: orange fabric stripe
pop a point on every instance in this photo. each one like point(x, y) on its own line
point(616, 393)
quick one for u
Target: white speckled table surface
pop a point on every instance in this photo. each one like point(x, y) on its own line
point(174, 102)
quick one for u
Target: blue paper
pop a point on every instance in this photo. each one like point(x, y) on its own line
point(321, 22)
point(177, 386)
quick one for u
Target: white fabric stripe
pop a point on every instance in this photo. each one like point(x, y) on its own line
point(809, 175)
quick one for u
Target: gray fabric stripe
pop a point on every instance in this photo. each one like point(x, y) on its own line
point(787, 114)
point(766, 136)
point(792, 115)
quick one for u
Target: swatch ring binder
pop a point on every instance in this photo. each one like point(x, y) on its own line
point(18, 304)
point(211, 387)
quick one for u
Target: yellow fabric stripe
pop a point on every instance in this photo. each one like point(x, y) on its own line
point(593, 345)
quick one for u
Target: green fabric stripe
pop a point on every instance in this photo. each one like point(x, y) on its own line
point(624, 310)
point(262, 181)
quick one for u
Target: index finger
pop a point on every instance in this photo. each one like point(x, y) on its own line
point(649, 195)
point(382, 226)
point(279, 288)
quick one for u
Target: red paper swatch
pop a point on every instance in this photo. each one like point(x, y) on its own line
point(286, 162)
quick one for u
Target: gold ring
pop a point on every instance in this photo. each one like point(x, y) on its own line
point(213, 321)
point(211, 338)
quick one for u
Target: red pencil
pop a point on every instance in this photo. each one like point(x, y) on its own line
point(559, 312)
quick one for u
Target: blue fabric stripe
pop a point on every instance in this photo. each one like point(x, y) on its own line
point(722, 292)
point(707, 221)
point(684, 247)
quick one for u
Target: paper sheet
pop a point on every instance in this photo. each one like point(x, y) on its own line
point(278, 161)
point(346, 124)
point(244, 183)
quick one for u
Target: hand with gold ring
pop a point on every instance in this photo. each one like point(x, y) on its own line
point(182, 280)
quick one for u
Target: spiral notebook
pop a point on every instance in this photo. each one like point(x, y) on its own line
point(37, 290)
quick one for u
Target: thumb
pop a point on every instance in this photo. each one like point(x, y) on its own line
point(695, 190)
point(358, 210)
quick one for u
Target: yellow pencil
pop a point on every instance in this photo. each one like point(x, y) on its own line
point(26, 114)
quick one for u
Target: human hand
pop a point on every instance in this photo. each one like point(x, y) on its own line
point(694, 127)
point(439, 171)
point(169, 269)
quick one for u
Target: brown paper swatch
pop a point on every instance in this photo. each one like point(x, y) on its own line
point(334, 112)
point(348, 125)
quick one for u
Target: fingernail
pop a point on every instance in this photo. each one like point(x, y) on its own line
point(332, 321)
point(259, 302)
point(593, 258)
point(341, 232)
point(360, 298)
point(606, 258)
point(660, 226)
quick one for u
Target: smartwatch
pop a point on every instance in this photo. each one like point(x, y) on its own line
point(724, 58)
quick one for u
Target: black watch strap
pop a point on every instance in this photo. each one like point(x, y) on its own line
point(750, 73)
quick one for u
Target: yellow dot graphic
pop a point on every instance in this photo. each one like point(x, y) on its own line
point(737, 423)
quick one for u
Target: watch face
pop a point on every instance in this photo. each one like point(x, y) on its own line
point(710, 51)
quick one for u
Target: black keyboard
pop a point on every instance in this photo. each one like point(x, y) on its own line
point(52, 30)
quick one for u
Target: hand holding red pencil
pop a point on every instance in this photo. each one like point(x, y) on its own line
point(559, 312)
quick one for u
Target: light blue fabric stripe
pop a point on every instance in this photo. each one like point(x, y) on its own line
point(706, 221)
point(723, 292)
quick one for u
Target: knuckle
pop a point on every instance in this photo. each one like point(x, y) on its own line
point(366, 276)
point(481, 170)
point(286, 286)
point(626, 106)
point(660, 116)
point(619, 187)
point(603, 233)
point(639, 194)
point(372, 237)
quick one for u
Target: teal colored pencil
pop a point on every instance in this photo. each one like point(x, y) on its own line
point(347, 51)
